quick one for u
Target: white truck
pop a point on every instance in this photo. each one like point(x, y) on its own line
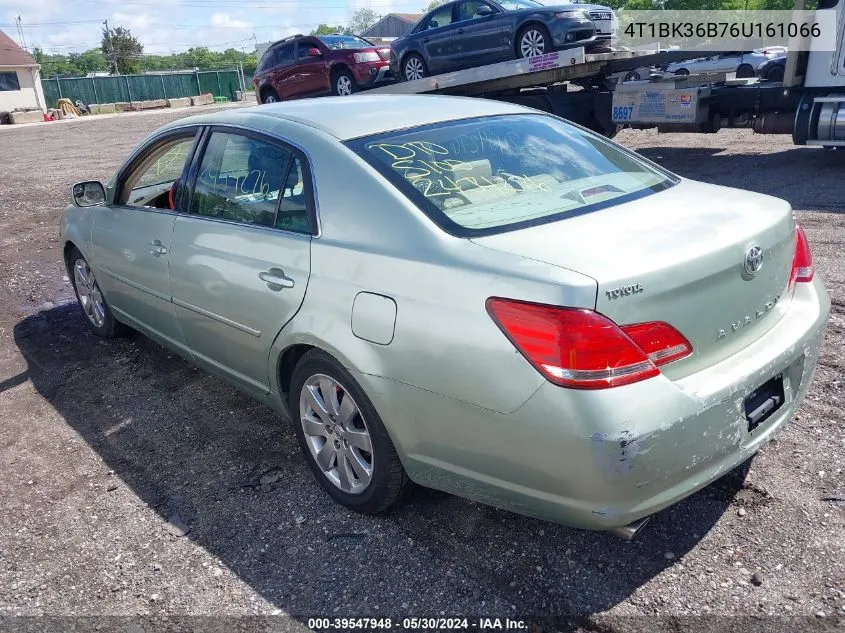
point(809, 103)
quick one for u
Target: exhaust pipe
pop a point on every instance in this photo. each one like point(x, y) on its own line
point(627, 532)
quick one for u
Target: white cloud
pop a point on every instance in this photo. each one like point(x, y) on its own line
point(227, 21)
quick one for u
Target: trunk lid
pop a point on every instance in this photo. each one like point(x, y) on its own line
point(677, 256)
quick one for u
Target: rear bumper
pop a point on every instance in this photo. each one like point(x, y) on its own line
point(603, 459)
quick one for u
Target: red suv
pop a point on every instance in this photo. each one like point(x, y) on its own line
point(306, 66)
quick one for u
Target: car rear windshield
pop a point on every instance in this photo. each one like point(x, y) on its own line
point(344, 41)
point(494, 174)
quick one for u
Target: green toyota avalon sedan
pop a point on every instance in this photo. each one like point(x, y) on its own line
point(465, 294)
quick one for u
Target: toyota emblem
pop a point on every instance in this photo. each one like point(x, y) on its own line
point(753, 260)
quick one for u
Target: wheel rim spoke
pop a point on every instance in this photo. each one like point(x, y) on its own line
point(325, 456)
point(315, 401)
point(314, 427)
point(344, 472)
point(362, 470)
point(360, 440)
point(328, 389)
point(346, 412)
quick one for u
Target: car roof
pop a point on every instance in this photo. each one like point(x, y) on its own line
point(361, 115)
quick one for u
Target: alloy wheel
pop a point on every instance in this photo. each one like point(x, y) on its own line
point(414, 69)
point(532, 43)
point(336, 433)
point(90, 297)
point(270, 98)
point(343, 85)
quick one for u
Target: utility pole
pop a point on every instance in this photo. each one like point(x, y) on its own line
point(111, 48)
point(20, 32)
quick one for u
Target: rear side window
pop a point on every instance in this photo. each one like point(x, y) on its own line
point(441, 17)
point(250, 181)
point(494, 174)
point(284, 55)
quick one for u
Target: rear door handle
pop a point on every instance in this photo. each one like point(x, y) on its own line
point(276, 277)
point(158, 249)
point(460, 31)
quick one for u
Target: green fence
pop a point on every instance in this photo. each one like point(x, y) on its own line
point(116, 88)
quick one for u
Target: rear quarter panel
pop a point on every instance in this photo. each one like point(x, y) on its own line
point(374, 240)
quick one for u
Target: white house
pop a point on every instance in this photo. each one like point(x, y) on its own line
point(20, 78)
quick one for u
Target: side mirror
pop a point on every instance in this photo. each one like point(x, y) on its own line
point(483, 11)
point(314, 52)
point(89, 194)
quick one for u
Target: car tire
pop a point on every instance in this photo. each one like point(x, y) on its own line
point(533, 37)
point(745, 71)
point(632, 76)
point(369, 481)
point(414, 67)
point(775, 73)
point(268, 95)
point(343, 83)
point(682, 72)
point(98, 315)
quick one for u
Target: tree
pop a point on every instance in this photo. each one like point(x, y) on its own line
point(432, 5)
point(325, 29)
point(122, 48)
point(362, 19)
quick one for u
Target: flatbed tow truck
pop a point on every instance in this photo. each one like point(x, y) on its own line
point(809, 103)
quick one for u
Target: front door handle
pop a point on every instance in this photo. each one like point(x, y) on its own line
point(460, 31)
point(158, 249)
point(276, 277)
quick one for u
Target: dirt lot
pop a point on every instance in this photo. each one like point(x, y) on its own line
point(103, 443)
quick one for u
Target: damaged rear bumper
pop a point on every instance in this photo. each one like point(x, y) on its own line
point(604, 459)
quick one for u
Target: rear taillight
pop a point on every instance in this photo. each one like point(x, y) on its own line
point(660, 341)
point(802, 261)
point(583, 349)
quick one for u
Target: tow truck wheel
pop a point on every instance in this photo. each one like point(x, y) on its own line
point(414, 68)
point(744, 72)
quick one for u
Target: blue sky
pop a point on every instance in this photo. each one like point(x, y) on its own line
point(175, 25)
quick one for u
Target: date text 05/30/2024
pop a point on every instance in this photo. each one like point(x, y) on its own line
point(418, 624)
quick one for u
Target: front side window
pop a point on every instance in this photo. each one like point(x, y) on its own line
point(251, 181)
point(469, 10)
point(152, 181)
point(500, 173)
point(9, 81)
point(441, 17)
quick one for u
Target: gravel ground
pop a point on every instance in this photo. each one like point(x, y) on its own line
point(133, 484)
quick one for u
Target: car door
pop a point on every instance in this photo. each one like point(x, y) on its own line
point(241, 252)
point(438, 40)
point(132, 237)
point(479, 38)
point(312, 75)
point(284, 71)
point(727, 62)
